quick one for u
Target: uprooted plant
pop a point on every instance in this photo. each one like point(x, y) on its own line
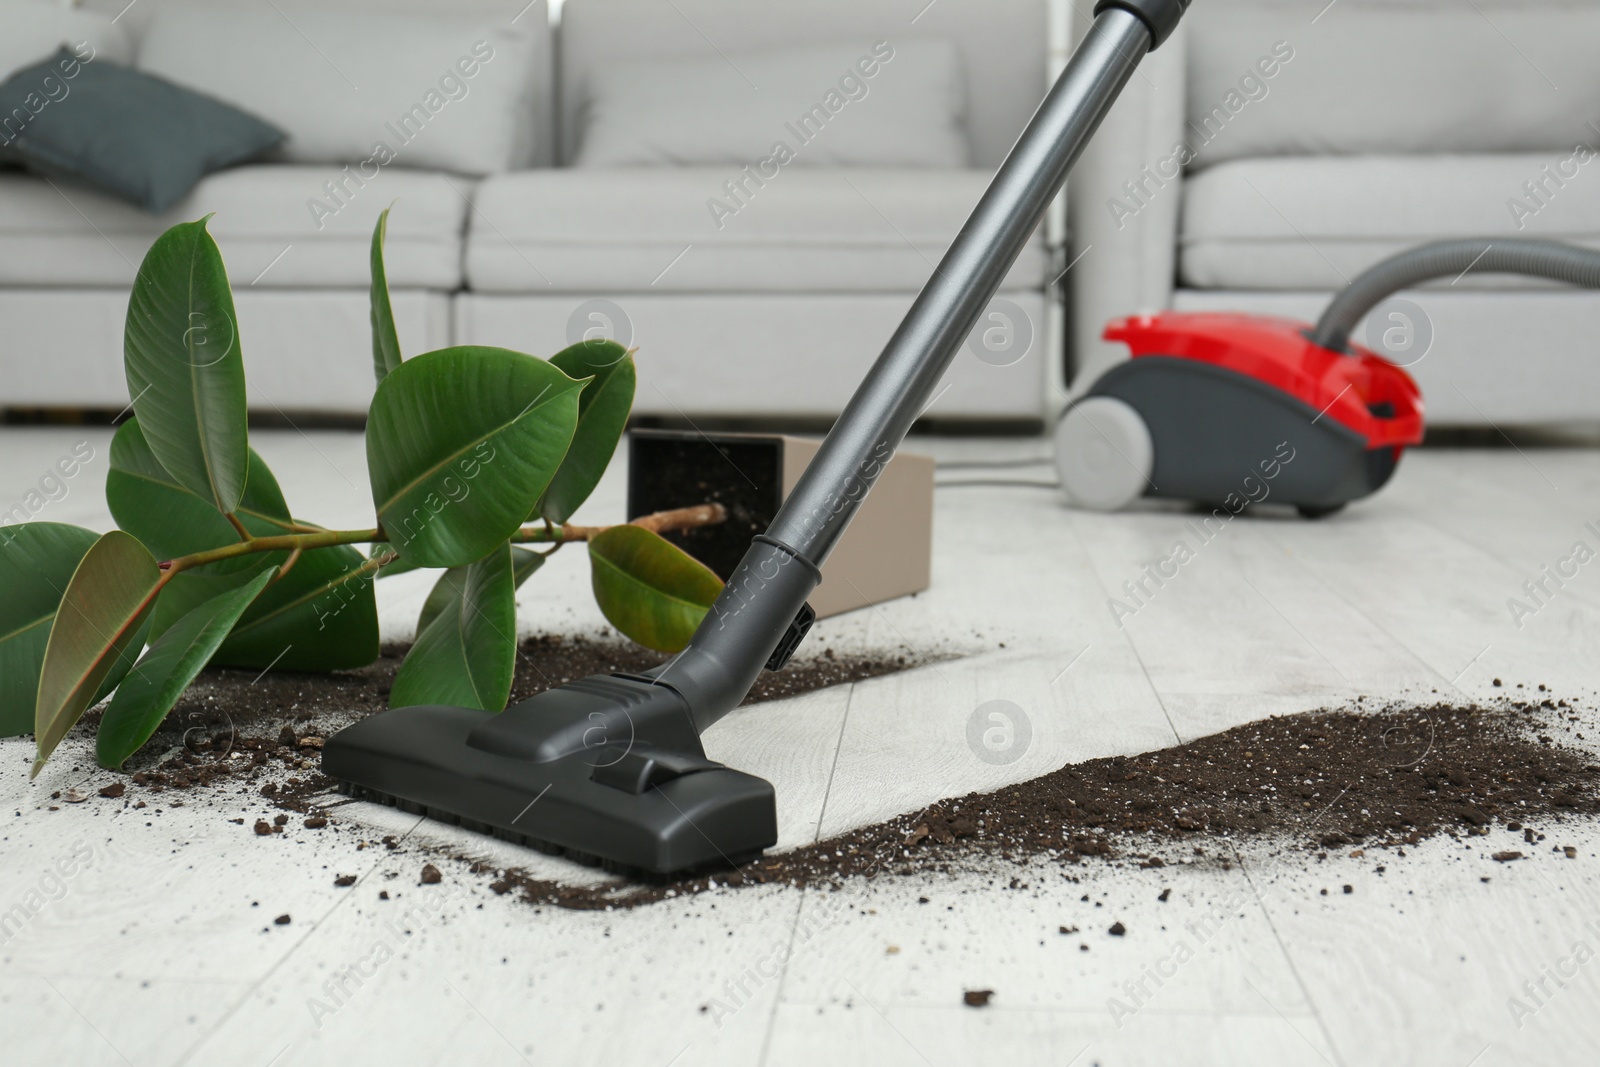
point(473, 452)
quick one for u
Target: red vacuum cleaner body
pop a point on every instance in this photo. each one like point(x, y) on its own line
point(1226, 409)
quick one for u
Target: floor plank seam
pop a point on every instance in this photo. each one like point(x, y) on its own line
point(783, 979)
point(838, 746)
point(1397, 640)
point(1288, 959)
point(1233, 550)
point(1487, 553)
point(285, 957)
point(1094, 567)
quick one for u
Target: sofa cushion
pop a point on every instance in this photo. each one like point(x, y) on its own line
point(882, 105)
point(1390, 76)
point(680, 228)
point(447, 92)
point(56, 235)
point(1312, 224)
point(34, 29)
point(1003, 43)
point(760, 354)
point(126, 133)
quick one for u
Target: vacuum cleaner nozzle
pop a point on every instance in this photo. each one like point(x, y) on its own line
point(608, 770)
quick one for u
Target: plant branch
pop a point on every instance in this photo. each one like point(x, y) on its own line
point(377, 563)
point(298, 543)
point(658, 522)
point(279, 543)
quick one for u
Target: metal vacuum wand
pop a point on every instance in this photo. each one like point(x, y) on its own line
point(762, 607)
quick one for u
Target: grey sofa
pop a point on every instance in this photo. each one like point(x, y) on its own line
point(778, 315)
point(781, 313)
point(1381, 125)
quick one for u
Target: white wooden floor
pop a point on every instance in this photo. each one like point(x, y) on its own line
point(160, 948)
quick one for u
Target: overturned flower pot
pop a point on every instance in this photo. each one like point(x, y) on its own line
point(886, 552)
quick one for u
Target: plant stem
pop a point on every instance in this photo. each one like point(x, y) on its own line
point(298, 543)
point(375, 564)
point(657, 522)
point(279, 543)
point(288, 564)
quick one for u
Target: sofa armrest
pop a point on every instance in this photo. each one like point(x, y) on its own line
point(1122, 209)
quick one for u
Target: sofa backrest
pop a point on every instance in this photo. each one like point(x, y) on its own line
point(1003, 43)
point(139, 14)
point(533, 22)
point(1392, 76)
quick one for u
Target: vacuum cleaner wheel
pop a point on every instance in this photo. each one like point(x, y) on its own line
point(1104, 453)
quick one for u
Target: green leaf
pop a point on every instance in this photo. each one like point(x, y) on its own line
point(467, 654)
point(172, 521)
point(321, 616)
point(166, 670)
point(524, 561)
point(185, 373)
point(99, 624)
point(36, 563)
point(385, 341)
point(329, 621)
point(447, 590)
point(602, 416)
point(649, 588)
point(460, 443)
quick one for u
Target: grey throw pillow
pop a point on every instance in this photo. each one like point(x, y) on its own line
point(137, 137)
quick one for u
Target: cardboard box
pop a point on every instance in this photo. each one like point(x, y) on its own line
point(886, 552)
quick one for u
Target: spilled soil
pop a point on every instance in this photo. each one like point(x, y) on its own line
point(240, 731)
point(1323, 781)
point(1317, 781)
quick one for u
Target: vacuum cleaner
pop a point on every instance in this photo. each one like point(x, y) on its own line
point(610, 769)
point(1210, 405)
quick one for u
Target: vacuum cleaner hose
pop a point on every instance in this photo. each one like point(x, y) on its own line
point(1438, 259)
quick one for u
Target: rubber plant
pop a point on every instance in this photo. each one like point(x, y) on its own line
point(476, 455)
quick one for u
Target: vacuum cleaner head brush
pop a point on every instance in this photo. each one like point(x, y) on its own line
point(607, 770)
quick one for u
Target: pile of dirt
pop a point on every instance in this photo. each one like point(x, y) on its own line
point(1342, 779)
point(235, 730)
point(1316, 781)
point(552, 660)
